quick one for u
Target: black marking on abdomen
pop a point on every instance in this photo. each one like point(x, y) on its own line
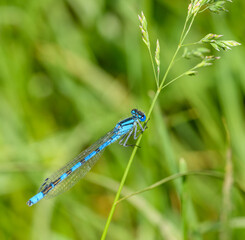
point(57, 181)
point(47, 189)
point(97, 150)
point(69, 172)
point(82, 161)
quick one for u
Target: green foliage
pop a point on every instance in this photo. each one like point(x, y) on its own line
point(70, 70)
point(219, 44)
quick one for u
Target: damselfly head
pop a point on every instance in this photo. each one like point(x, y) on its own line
point(138, 114)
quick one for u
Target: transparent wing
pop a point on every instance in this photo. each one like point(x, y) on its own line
point(79, 173)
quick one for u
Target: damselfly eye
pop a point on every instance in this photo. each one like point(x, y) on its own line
point(138, 114)
point(133, 111)
point(141, 116)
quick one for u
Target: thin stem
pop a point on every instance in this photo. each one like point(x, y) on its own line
point(184, 201)
point(204, 9)
point(225, 232)
point(153, 67)
point(174, 56)
point(173, 177)
point(126, 172)
point(183, 31)
point(120, 189)
point(190, 44)
point(183, 35)
point(188, 30)
point(182, 38)
point(169, 66)
point(158, 75)
point(174, 79)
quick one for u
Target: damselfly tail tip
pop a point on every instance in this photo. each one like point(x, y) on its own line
point(29, 203)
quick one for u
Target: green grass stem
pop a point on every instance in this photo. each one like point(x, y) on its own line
point(182, 38)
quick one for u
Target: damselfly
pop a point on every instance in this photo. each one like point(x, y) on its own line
point(74, 170)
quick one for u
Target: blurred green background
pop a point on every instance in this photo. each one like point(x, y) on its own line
point(69, 71)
